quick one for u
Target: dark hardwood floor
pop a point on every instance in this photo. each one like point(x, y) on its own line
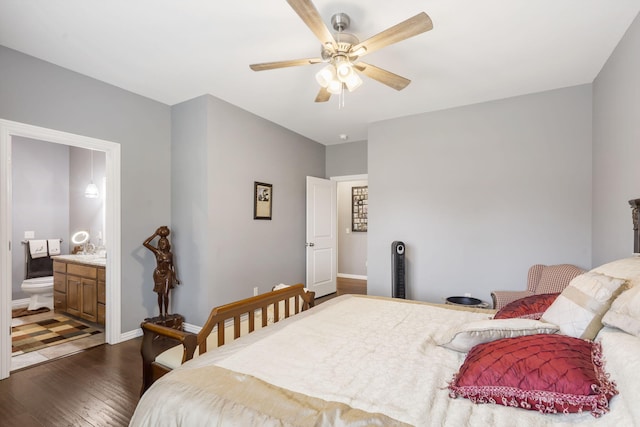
point(96, 387)
point(346, 286)
point(351, 286)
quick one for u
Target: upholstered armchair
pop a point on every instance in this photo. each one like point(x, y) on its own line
point(541, 279)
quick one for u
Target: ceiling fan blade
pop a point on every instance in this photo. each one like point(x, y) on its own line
point(404, 30)
point(282, 64)
point(323, 95)
point(383, 76)
point(311, 17)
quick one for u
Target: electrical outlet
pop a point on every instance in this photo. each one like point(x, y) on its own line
point(29, 234)
point(255, 291)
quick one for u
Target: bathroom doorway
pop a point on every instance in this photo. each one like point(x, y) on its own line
point(111, 150)
point(49, 202)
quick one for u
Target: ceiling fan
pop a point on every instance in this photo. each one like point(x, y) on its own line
point(343, 51)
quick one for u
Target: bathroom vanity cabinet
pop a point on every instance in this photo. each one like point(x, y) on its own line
point(102, 295)
point(79, 288)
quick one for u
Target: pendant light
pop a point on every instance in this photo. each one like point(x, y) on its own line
point(92, 190)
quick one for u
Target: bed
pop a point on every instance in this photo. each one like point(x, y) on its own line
point(363, 360)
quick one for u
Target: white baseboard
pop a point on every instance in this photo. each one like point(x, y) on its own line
point(20, 303)
point(188, 327)
point(130, 335)
point(352, 276)
point(138, 332)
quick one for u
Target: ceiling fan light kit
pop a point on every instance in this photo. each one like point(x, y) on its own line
point(343, 51)
point(337, 75)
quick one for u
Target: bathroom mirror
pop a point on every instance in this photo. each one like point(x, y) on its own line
point(80, 238)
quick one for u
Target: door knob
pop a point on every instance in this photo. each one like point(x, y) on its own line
point(310, 244)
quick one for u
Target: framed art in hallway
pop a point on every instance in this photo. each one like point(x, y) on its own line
point(359, 208)
point(262, 199)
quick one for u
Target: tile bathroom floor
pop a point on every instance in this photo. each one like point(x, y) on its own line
point(61, 350)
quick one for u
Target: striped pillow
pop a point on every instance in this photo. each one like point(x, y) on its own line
point(578, 310)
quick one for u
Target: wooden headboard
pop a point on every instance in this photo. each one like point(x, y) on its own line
point(635, 204)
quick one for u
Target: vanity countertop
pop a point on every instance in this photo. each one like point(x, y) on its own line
point(83, 259)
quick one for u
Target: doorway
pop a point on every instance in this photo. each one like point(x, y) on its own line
point(347, 262)
point(352, 246)
point(9, 130)
point(352, 226)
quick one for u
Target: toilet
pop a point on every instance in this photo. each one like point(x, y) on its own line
point(41, 291)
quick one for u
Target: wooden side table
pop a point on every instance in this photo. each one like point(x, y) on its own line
point(173, 321)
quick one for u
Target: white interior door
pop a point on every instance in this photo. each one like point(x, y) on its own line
point(322, 242)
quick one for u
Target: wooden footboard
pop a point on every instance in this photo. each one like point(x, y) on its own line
point(270, 307)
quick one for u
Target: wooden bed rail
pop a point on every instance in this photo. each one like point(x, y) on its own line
point(236, 310)
point(155, 337)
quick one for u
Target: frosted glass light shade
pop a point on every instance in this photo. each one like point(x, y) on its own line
point(343, 69)
point(325, 76)
point(91, 192)
point(335, 87)
point(353, 82)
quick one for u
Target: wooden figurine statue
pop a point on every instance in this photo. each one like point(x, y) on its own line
point(164, 276)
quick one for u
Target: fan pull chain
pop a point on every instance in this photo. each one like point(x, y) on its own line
point(341, 98)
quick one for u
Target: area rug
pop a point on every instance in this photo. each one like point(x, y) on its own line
point(48, 332)
point(21, 312)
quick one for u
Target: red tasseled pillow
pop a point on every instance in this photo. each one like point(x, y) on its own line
point(528, 307)
point(546, 373)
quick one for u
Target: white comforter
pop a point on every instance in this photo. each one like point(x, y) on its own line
point(358, 361)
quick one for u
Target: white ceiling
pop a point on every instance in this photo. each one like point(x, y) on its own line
point(172, 51)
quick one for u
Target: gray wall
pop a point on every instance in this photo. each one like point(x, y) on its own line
point(219, 151)
point(352, 247)
point(346, 159)
point(42, 94)
point(190, 183)
point(616, 149)
point(40, 202)
point(485, 191)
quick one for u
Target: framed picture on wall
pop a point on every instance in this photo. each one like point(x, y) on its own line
point(359, 208)
point(262, 199)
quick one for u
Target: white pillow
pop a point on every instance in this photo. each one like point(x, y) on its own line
point(469, 335)
point(625, 268)
point(578, 310)
point(625, 312)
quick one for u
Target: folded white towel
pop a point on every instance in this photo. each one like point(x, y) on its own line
point(38, 248)
point(54, 246)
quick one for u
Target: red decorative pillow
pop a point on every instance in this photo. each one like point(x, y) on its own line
point(546, 373)
point(528, 307)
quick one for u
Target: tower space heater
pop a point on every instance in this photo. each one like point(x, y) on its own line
point(398, 282)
